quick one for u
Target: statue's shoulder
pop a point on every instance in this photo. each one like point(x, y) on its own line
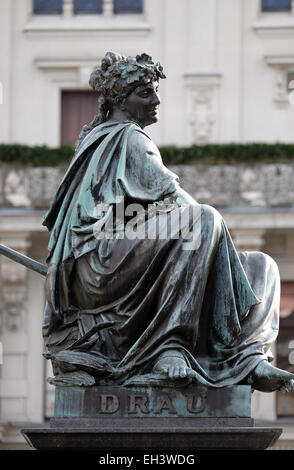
point(136, 131)
point(140, 142)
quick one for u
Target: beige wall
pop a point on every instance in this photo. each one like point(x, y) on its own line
point(225, 61)
point(226, 64)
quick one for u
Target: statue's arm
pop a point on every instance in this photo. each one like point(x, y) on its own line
point(146, 175)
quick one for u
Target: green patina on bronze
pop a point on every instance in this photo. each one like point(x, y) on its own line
point(145, 310)
point(152, 402)
point(113, 80)
point(148, 310)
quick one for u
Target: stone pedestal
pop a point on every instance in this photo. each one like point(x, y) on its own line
point(156, 418)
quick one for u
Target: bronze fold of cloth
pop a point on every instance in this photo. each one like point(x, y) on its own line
point(116, 303)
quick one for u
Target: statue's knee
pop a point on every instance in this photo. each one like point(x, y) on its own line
point(264, 262)
point(271, 265)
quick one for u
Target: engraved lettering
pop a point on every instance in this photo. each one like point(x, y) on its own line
point(195, 403)
point(140, 401)
point(109, 404)
point(166, 404)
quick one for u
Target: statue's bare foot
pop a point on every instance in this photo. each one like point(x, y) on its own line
point(172, 363)
point(267, 378)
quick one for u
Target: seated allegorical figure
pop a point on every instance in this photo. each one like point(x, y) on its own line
point(144, 284)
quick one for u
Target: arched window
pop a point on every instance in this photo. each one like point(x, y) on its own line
point(128, 6)
point(276, 5)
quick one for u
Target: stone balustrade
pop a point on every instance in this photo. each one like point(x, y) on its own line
point(236, 185)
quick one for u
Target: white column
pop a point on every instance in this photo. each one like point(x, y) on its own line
point(67, 10)
point(107, 8)
point(5, 70)
point(201, 34)
point(21, 372)
point(35, 360)
point(13, 385)
point(229, 59)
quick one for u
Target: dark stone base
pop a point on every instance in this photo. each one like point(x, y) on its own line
point(193, 403)
point(150, 423)
point(153, 418)
point(167, 438)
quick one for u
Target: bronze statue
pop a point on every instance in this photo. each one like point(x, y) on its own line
point(133, 299)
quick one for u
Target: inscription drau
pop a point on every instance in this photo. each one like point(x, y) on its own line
point(194, 401)
point(155, 404)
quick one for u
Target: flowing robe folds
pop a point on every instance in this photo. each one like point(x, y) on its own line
point(115, 303)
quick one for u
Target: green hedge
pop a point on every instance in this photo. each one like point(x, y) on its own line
point(36, 156)
point(206, 154)
point(228, 153)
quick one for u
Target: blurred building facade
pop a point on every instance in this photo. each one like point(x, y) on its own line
point(230, 69)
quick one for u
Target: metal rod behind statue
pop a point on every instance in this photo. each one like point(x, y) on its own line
point(24, 260)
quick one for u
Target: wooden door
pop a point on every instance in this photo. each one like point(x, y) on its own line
point(77, 109)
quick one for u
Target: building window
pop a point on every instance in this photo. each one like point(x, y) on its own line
point(87, 6)
point(45, 7)
point(128, 6)
point(276, 5)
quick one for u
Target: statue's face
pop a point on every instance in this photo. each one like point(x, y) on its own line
point(143, 103)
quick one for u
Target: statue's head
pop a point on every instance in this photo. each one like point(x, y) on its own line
point(128, 89)
point(128, 84)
